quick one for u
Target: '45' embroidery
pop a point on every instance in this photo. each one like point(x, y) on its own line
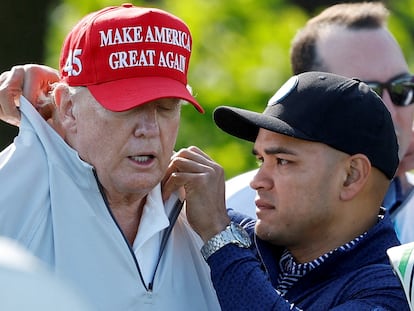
point(73, 65)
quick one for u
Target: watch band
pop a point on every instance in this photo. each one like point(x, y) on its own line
point(232, 234)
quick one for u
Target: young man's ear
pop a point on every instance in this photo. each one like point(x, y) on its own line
point(357, 174)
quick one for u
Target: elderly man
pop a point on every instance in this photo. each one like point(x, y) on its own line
point(90, 204)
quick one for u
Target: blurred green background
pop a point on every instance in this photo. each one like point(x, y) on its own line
point(240, 54)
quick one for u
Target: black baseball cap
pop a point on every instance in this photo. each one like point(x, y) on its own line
point(322, 107)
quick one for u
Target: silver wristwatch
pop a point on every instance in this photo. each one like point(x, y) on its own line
point(233, 234)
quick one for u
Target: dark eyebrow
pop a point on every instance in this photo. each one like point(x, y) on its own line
point(275, 150)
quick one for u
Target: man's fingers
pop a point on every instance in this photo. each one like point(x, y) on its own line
point(3, 76)
point(9, 112)
point(38, 83)
point(10, 90)
point(168, 187)
point(187, 167)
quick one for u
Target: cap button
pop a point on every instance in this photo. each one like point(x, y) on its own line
point(127, 5)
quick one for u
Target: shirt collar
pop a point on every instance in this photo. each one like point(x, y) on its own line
point(394, 196)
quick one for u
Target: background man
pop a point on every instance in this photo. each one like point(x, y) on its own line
point(353, 40)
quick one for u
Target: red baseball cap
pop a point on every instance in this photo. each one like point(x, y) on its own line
point(127, 56)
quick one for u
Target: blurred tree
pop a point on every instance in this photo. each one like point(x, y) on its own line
point(240, 56)
point(22, 27)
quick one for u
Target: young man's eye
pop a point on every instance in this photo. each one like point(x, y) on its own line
point(282, 161)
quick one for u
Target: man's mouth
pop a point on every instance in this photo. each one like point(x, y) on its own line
point(142, 158)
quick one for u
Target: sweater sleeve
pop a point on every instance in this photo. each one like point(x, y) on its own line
point(24, 180)
point(241, 282)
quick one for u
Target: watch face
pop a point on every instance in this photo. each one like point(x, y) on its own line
point(240, 234)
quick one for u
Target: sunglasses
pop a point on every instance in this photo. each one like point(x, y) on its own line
point(401, 89)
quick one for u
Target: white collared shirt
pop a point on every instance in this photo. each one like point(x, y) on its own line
point(404, 215)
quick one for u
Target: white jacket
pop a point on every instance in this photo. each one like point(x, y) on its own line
point(50, 202)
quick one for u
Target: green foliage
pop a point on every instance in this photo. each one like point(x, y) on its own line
point(240, 58)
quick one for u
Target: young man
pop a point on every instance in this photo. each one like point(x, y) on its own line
point(328, 150)
point(90, 204)
point(353, 40)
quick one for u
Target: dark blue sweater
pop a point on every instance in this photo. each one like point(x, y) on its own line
point(358, 279)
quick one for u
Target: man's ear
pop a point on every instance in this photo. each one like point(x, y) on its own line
point(358, 168)
point(64, 103)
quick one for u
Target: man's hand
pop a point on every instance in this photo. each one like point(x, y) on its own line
point(31, 81)
point(204, 186)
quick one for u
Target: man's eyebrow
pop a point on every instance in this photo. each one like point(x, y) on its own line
point(274, 150)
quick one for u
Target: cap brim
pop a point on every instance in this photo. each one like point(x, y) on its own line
point(245, 124)
point(125, 94)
